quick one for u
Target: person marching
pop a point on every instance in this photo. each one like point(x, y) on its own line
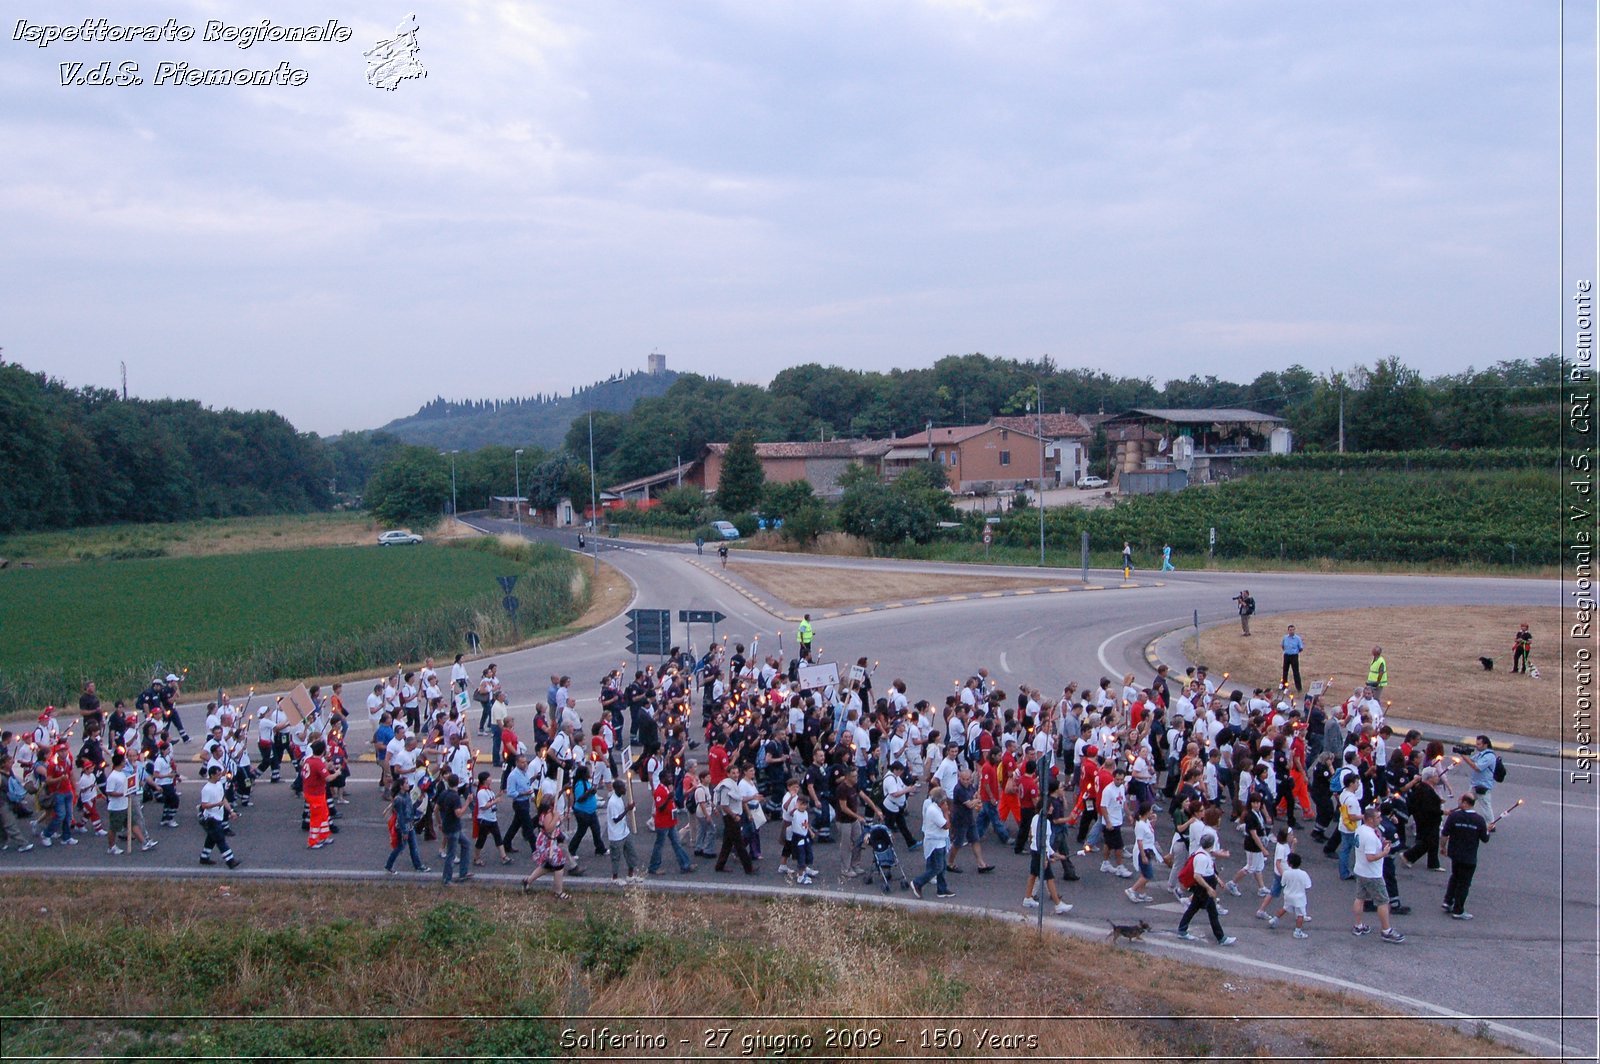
point(1464, 829)
point(314, 786)
point(213, 808)
point(804, 636)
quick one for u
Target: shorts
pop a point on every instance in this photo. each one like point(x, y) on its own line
point(1147, 868)
point(963, 833)
point(1033, 867)
point(1294, 908)
point(1255, 862)
point(117, 821)
point(1372, 889)
point(1277, 885)
point(1112, 837)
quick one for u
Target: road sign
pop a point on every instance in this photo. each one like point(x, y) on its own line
point(511, 604)
point(988, 535)
point(649, 632)
point(700, 617)
point(473, 642)
point(507, 583)
point(825, 674)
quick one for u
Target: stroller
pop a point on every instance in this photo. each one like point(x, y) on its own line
point(884, 858)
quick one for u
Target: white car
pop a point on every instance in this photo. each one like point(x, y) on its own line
point(725, 529)
point(397, 537)
point(1089, 483)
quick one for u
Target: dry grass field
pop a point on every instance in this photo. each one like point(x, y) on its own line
point(826, 587)
point(1432, 653)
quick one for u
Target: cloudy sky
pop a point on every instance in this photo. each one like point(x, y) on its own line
point(1153, 188)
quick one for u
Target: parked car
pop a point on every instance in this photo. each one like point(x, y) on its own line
point(1090, 483)
point(397, 537)
point(725, 529)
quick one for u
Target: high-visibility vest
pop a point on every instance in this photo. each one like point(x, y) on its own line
point(805, 631)
point(1378, 672)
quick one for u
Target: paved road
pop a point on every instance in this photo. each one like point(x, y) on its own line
point(1534, 937)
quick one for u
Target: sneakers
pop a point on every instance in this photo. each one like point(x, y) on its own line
point(25, 847)
point(1105, 866)
point(115, 851)
point(1030, 903)
point(946, 894)
point(1121, 872)
point(785, 869)
point(915, 890)
point(1221, 911)
point(48, 843)
point(1262, 914)
point(1132, 895)
point(807, 879)
point(1228, 941)
point(1062, 908)
point(1360, 929)
point(1188, 937)
point(1392, 936)
point(1300, 934)
point(100, 832)
point(1460, 916)
point(70, 841)
point(1272, 922)
point(1232, 888)
point(1263, 892)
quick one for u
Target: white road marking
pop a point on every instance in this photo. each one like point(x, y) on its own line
point(1003, 664)
point(1030, 631)
point(1575, 805)
point(1101, 653)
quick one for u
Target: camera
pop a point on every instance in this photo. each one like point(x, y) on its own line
point(1459, 749)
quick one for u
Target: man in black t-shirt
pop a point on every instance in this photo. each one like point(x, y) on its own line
point(448, 801)
point(1464, 830)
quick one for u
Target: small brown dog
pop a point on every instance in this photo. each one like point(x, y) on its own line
point(1131, 932)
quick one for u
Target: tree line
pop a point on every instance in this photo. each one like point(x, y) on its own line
point(86, 456)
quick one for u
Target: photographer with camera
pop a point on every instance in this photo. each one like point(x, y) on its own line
point(1247, 609)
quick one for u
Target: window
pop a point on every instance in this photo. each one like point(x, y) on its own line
point(1005, 458)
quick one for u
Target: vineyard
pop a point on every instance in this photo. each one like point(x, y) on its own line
point(1497, 517)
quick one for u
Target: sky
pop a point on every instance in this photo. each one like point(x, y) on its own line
point(1149, 188)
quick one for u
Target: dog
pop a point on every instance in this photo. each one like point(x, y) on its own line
point(1487, 663)
point(1131, 932)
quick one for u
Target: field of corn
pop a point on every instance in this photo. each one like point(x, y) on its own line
point(239, 618)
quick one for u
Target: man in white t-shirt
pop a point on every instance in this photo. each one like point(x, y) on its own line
point(213, 809)
point(935, 845)
point(619, 838)
point(1113, 805)
point(1203, 895)
point(1371, 849)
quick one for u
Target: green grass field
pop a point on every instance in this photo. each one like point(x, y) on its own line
point(246, 617)
point(223, 535)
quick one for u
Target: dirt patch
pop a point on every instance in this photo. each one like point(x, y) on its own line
point(826, 587)
point(1433, 661)
point(608, 596)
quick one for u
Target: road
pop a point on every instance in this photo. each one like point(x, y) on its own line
point(1528, 960)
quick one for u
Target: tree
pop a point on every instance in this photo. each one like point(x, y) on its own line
point(1392, 413)
point(797, 506)
point(687, 501)
point(410, 489)
point(739, 489)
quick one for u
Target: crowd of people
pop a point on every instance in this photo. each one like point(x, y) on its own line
point(732, 758)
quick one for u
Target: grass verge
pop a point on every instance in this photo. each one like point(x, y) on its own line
point(827, 587)
point(185, 539)
point(1433, 661)
point(503, 977)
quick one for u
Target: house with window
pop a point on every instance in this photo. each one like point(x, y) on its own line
point(1066, 444)
point(980, 458)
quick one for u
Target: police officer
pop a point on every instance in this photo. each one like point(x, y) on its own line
point(805, 636)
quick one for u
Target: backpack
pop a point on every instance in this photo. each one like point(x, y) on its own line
point(1186, 874)
point(690, 805)
point(1499, 769)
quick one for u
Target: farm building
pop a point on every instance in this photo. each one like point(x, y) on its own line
point(1201, 444)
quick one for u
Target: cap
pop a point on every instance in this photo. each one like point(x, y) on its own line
point(172, 677)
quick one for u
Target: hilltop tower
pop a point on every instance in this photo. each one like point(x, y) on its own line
point(657, 364)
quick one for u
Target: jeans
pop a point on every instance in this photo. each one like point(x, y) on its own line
point(521, 820)
point(494, 744)
point(483, 718)
point(664, 836)
point(934, 865)
point(989, 817)
point(587, 822)
point(1347, 854)
point(455, 850)
point(407, 839)
point(705, 835)
point(60, 814)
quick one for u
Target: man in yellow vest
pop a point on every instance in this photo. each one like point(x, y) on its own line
point(805, 635)
point(1378, 672)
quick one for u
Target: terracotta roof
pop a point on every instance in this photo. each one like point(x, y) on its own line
point(655, 479)
point(1056, 426)
point(949, 434)
point(813, 449)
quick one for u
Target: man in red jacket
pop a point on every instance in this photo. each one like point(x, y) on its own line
point(314, 782)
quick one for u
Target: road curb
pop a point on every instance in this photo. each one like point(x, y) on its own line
point(1516, 745)
point(884, 607)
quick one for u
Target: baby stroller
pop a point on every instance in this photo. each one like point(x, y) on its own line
point(884, 858)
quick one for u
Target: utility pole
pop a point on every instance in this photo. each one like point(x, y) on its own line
point(594, 504)
point(125, 391)
point(452, 480)
point(1039, 385)
point(1340, 378)
point(930, 440)
point(516, 503)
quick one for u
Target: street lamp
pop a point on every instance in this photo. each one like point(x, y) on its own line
point(516, 503)
point(452, 480)
point(594, 505)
